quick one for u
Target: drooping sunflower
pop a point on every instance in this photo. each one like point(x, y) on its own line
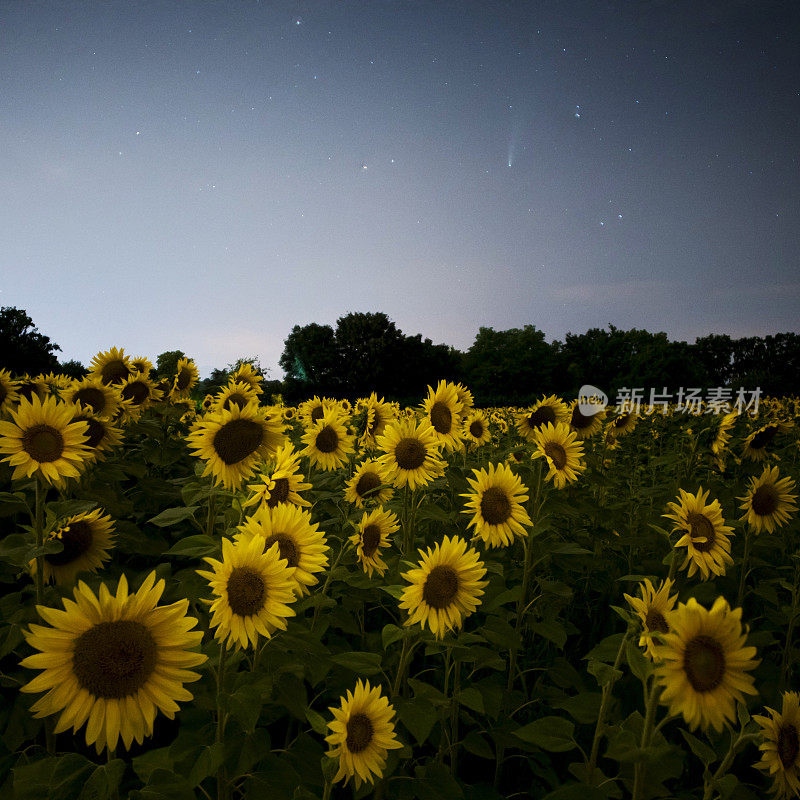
point(247, 373)
point(57, 383)
point(562, 450)
point(769, 502)
point(476, 429)
point(186, 377)
point(410, 453)
point(279, 481)
point(369, 484)
point(42, 439)
point(705, 534)
point(723, 434)
point(111, 366)
point(87, 539)
point(374, 533)
point(300, 540)
point(622, 424)
point(100, 398)
point(8, 391)
point(138, 393)
point(327, 442)
point(102, 434)
point(233, 441)
point(238, 393)
point(113, 662)
point(362, 733)
point(780, 747)
point(653, 607)
point(496, 503)
point(702, 663)
point(585, 425)
point(142, 364)
point(29, 387)
point(465, 397)
point(442, 410)
point(379, 414)
point(756, 445)
point(446, 586)
point(253, 588)
point(550, 409)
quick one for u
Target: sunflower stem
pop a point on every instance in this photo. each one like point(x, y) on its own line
point(326, 794)
point(787, 644)
point(647, 733)
point(406, 522)
point(742, 739)
point(454, 717)
point(211, 518)
point(743, 569)
point(39, 531)
point(222, 788)
point(324, 590)
point(599, 729)
point(402, 665)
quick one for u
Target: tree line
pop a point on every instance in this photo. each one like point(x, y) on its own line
point(367, 352)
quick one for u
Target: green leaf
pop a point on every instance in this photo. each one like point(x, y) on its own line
point(418, 718)
point(317, 722)
point(703, 751)
point(31, 781)
point(472, 699)
point(551, 630)
point(391, 634)
point(583, 707)
point(15, 549)
point(245, 706)
point(363, 663)
point(147, 763)
point(196, 546)
point(554, 734)
point(172, 516)
point(69, 775)
point(640, 665)
point(104, 781)
point(603, 672)
point(207, 764)
point(476, 744)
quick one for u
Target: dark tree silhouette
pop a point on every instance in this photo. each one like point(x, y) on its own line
point(23, 349)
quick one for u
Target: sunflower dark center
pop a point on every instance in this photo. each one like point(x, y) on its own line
point(763, 438)
point(701, 528)
point(95, 432)
point(656, 621)
point(359, 733)
point(441, 587)
point(279, 492)
point(476, 429)
point(495, 506)
point(3, 393)
point(288, 549)
point(788, 745)
point(367, 484)
point(114, 371)
point(114, 659)
point(621, 422)
point(317, 414)
point(236, 399)
point(77, 539)
point(136, 391)
point(327, 440)
point(704, 663)
point(557, 454)
point(43, 443)
point(238, 439)
point(541, 416)
point(27, 390)
point(92, 397)
point(246, 591)
point(765, 500)
point(184, 379)
point(374, 426)
point(410, 453)
point(581, 421)
point(441, 417)
point(370, 539)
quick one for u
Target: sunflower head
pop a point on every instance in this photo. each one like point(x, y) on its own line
point(442, 410)
point(327, 441)
point(111, 366)
point(549, 410)
point(653, 607)
point(560, 447)
point(410, 453)
point(770, 501)
point(186, 377)
point(780, 746)
point(374, 533)
point(369, 484)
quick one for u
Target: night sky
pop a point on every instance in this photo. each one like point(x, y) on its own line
point(203, 176)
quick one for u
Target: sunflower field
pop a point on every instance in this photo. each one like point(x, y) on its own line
point(227, 597)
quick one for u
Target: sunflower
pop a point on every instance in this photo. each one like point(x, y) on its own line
point(442, 410)
point(311, 411)
point(100, 398)
point(57, 383)
point(113, 661)
point(550, 409)
point(702, 663)
point(142, 364)
point(43, 440)
point(622, 424)
point(8, 391)
point(238, 393)
point(368, 484)
point(653, 609)
point(378, 414)
point(111, 366)
point(289, 413)
point(207, 402)
point(769, 502)
point(362, 733)
point(496, 502)
point(410, 453)
point(29, 387)
point(102, 435)
point(705, 534)
point(781, 746)
point(465, 397)
point(723, 434)
point(87, 538)
point(280, 481)
point(345, 406)
point(186, 378)
point(138, 393)
point(252, 591)
point(476, 429)
point(327, 442)
point(247, 373)
point(374, 532)
point(756, 445)
point(585, 425)
point(560, 447)
point(233, 441)
point(301, 542)
point(446, 586)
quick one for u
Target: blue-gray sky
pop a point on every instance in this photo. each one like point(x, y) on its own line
point(204, 175)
